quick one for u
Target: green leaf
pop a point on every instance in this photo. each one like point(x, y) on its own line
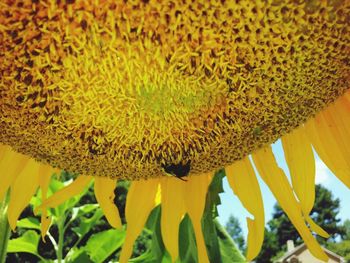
point(153, 224)
point(166, 258)
point(228, 250)
point(220, 246)
point(100, 246)
point(87, 223)
point(213, 198)
point(187, 244)
point(79, 256)
point(83, 210)
point(156, 253)
point(28, 242)
point(210, 212)
point(29, 222)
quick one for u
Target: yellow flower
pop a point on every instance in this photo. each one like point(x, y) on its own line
point(139, 90)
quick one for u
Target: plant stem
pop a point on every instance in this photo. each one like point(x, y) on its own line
point(4, 228)
point(53, 241)
point(60, 239)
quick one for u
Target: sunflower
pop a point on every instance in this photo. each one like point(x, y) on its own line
point(149, 91)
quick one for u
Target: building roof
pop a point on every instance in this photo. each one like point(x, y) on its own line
point(300, 248)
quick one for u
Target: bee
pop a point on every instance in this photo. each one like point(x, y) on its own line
point(179, 170)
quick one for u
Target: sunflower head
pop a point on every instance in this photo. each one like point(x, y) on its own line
point(142, 90)
point(124, 89)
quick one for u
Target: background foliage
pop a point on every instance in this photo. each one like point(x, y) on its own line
point(80, 232)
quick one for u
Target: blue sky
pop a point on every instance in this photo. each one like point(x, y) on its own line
point(231, 205)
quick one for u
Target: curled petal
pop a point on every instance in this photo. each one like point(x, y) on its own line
point(278, 183)
point(173, 210)
point(329, 133)
point(141, 199)
point(75, 188)
point(104, 192)
point(242, 179)
point(11, 165)
point(301, 163)
point(45, 172)
point(196, 189)
point(22, 190)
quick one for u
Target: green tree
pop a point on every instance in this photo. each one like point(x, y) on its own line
point(234, 229)
point(269, 248)
point(346, 225)
point(325, 212)
point(342, 248)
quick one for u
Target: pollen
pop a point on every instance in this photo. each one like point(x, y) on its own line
point(124, 88)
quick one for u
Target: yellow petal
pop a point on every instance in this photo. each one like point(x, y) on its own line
point(11, 165)
point(242, 179)
point(4, 178)
point(75, 188)
point(22, 190)
point(316, 228)
point(301, 163)
point(329, 133)
point(45, 225)
point(173, 209)
point(278, 183)
point(104, 192)
point(158, 200)
point(196, 189)
point(141, 199)
point(45, 172)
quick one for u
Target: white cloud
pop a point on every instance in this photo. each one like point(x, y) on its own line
point(322, 173)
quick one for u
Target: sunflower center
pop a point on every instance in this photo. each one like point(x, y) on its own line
point(126, 89)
